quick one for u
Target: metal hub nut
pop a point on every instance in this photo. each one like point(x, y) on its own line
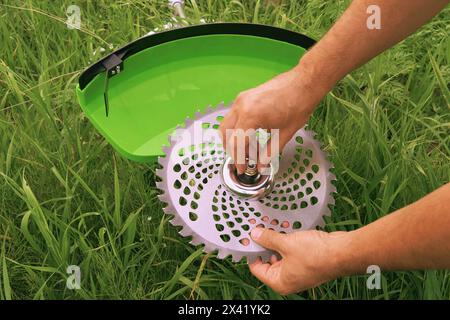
point(251, 185)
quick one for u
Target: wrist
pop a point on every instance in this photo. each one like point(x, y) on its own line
point(304, 93)
point(315, 76)
point(345, 256)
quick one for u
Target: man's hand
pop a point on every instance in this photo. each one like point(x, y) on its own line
point(286, 102)
point(283, 103)
point(309, 258)
point(414, 237)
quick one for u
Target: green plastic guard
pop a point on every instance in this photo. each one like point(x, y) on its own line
point(161, 85)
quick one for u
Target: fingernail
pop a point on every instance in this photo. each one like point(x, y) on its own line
point(256, 233)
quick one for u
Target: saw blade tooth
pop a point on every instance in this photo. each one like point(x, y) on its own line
point(321, 221)
point(186, 231)
point(160, 185)
point(198, 115)
point(332, 187)
point(221, 106)
point(264, 256)
point(222, 254)
point(236, 257)
point(327, 209)
point(166, 150)
point(251, 258)
point(195, 241)
point(209, 248)
point(209, 109)
point(333, 190)
point(176, 221)
point(306, 130)
point(332, 176)
point(331, 201)
point(169, 209)
point(159, 172)
point(319, 150)
point(188, 122)
point(327, 159)
point(163, 161)
point(163, 198)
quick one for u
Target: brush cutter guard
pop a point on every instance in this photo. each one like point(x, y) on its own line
point(137, 95)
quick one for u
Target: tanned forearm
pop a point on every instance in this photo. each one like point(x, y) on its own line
point(350, 43)
point(414, 237)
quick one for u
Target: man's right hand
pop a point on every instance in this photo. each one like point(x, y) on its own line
point(284, 103)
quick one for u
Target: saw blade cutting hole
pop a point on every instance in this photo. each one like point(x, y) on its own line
point(212, 215)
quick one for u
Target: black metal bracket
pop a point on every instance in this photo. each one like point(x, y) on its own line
point(113, 65)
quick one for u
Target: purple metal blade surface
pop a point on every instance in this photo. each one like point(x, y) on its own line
point(213, 216)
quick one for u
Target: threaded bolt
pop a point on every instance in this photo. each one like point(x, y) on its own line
point(251, 169)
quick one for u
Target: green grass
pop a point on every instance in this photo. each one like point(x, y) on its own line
point(67, 198)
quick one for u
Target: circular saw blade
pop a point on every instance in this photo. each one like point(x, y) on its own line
point(213, 216)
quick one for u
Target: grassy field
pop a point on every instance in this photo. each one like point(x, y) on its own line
point(66, 198)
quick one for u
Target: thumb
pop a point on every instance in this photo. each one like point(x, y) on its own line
point(269, 239)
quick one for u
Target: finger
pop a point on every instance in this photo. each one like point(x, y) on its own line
point(270, 239)
point(263, 272)
point(241, 142)
point(234, 150)
point(241, 149)
point(226, 126)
